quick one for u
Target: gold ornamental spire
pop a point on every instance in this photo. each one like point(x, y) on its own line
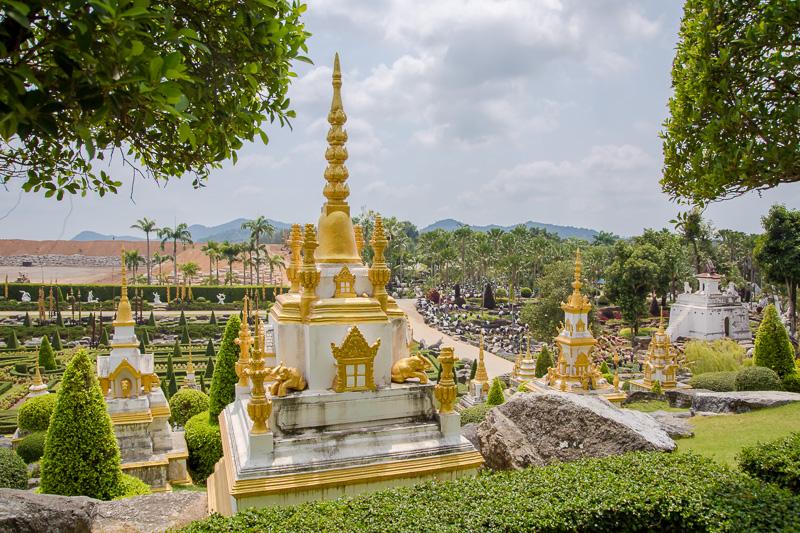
point(359, 232)
point(309, 275)
point(244, 341)
point(446, 389)
point(577, 302)
point(337, 243)
point(259, 407)
point(379, 272)
point(124, 314)
point(37, 378)
point(481, 376)
point(295, 245)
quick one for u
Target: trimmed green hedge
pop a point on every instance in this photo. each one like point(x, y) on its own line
point(185, 404)
point(13, 472)
point(31, 448)
point(205, 446)
point(630, 493)
point(716, 381)
point(109, 292)
point(131, 486)
point(776, 461)
point(758, 378)
point(34, 414)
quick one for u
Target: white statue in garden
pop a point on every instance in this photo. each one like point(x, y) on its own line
point(156, 298)
point(26, 296)
point(221, 298)
point(687, 289)
point(91, 299)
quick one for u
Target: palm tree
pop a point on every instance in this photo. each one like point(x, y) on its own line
point(159, 260)
point(211, 249)
point(275, 261)
point(132, 261)
point(258, 227)
point(147, 226)
point(189, 270)
point(230, 252)
point(178, 233)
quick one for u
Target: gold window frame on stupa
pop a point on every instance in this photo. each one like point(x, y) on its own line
point(355, 358)
point(124, 370)
point(344, 284)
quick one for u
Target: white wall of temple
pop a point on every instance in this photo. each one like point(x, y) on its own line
point(326, 287)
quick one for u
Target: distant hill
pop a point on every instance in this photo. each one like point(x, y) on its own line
point(94, 236)
point(229, 231)
point(564, 232)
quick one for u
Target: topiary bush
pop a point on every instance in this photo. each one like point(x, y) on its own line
point(13, 472)
point(31, 448)
point(496, 396)
point(34, 414)
point(47, 359)
point(758, 378)
point(656, 388)
point(791, 382)
point(131, 486)
point(543, 362)
point(631, 493)
point(526, 292)
point(716, 381)
point(81, 456)
point(185, 404)
point(223, 383)
point(205, 446)
point(773, 349)
point(777, 461)
point(474, 414)
point(501, 293)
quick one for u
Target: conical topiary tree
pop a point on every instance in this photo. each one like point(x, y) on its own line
point(185, 335)
point(773, 348)
point(103, 337)
point(47, 359)
point(81, 456)
point(223, 383)
point(496, 393)
point(141, 346)
point(473, 369)
point(151, 320)
point(12, 341)
point(182, 320)
point(656, 389)
point(543, 362)
point(172, 385)
point(210, 370)
point(210, 352)
point(213, 320)
point(57, 344)
point(176, 350)
point(27, 320)
point(146, 337)
point(202, 384)
point(604, 367)
point(59, 320)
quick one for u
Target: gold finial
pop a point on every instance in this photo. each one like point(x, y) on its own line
point(379, 272)
point(359, 233)
point(578, 264)
point(309, 275)
point(244, 341)
point(660, 320)
point(295, 245)
point(124, 313)
point(446, 390)
point(190, 365)
point(259, 407)
point(577, 302)
point(37, 378)
point(481, 376)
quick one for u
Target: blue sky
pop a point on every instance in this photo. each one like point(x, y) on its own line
point(487, 111)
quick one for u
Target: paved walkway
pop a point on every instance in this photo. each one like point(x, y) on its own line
point(495, 365)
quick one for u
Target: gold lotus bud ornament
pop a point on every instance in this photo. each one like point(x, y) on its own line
point(446, 390)
point(260, 407)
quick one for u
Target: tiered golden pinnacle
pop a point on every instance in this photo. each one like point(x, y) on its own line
point(577, 302)
point(359, 234)
point(259, 408)
point(336, 190)
point(124, 313)
point(481, 376)
point(295, 245)
point(379, 272)
point(309, 276)
point(244, 341)
point(446, 391)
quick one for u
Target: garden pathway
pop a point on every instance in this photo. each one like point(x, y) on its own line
point(495, 365)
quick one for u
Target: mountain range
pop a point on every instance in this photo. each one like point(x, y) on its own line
point(232, 231)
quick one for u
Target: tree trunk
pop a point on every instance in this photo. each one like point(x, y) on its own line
point(210, 269)
point(696, 258)
point(149, 280)
point(175, 260)
point(792, 286)
point(258, 263)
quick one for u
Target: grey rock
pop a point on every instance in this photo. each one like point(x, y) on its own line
point(470, 432)
point(153, 512)
point(675, 424)
point(682, 397)
point(740, 402)
point(641, 396)
point(542, 428)
point(22, 511)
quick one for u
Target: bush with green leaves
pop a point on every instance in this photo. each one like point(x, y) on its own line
point(791, 382)
point(223, 384)
point(777, 461)
point(12, 342)
point(210, 352)
point(501, 293)
point(715, 381)
point(526, 292)
point(496, 396)
point(34, 414)
point(31, 448)
point(474, 414)
point(656, 389)
point(131, 486)
point(649, 492)
point(543, 361)
point(758, 378)
point(151, 320)
point(714, 356)
point(47, 359)
point(57, 344)
point(185, 404)
point(205, 446)
point(103, 337)
point(81, 456)
point(13, 472)
point(773, 349)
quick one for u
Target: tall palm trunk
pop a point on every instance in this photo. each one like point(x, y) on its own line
point(149, 280)
point(258, 263)
point(210, 268)
point(175, 260)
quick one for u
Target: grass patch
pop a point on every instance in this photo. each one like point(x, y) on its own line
point(721, 437)
point(189, 488)
point(649, 406)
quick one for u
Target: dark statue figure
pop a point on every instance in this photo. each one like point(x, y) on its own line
point(488, 298)
point(459, 300)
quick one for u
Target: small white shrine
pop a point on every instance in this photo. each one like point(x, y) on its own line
point(139, 411)
point(709, 314)
point(330, 402)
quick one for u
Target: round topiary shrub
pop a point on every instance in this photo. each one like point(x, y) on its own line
point(526, 292)
point(758, 378)
point(131, 486)
point(185, 404)
point(496, 396)
point(715, 381)
point(31, 448)
point(13, 472)
point(791, 382)
point(35, 413)
point(501, 293)
point(205, 446)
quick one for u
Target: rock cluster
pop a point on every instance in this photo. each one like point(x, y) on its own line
point(703, 401)
point(75, 260)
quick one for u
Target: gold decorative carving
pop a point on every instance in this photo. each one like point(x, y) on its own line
point(577, 302)
point(379, 272)
point(359, 234)
point(354, 362)
point(286, 379)
point(244, 341)
point(309, 275)
point(344, 284)
point(446, 390)
point(411, 367)
point(259, 407)
point(295, 245)
point(481, 376)
point(124, 313)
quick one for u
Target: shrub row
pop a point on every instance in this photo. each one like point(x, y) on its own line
point(777, 462)
point(631, 493)
point(750, 378)
point(109, 292)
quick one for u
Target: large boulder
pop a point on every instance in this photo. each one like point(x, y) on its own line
point(675, 424)
point(542, 428)
point(682, 397)
point(740, 402)
point(22, 511)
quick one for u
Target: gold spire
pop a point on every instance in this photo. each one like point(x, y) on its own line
point(379, 272)
point(295, 245)
point(37, 378)
point(244, 341)
point(445, 390)
point(359, 232)
point(481, 376)
point(337, 243)
point(124, 314)
point(309, 275)
point(577, 302)
point(190, 365)
point(259, 407)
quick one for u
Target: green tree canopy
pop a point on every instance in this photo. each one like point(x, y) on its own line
point(632, 275)
point(773, 349)
point(734, 121)
point(778, 253)
point(171, 88)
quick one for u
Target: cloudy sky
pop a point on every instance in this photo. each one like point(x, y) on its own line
point(487, 111)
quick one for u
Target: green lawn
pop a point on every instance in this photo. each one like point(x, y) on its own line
point(721, 437)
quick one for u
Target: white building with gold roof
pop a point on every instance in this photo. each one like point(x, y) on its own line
point(348, 410)
point(139, 411)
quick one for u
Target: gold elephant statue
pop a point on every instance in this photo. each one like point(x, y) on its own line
point(411, 367)
point(285, 379)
